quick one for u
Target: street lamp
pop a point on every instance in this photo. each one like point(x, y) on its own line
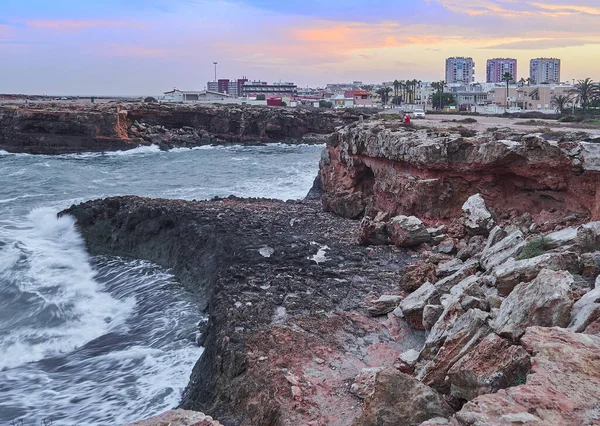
point(215, 63)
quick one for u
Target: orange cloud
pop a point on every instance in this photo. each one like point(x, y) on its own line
point(65, 25)
point(568, 9)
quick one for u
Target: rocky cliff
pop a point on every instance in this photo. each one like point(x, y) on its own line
point(431, 172)
point(283, 285)
point(64, 128)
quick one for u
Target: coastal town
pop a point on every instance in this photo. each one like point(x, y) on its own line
point(503, 90)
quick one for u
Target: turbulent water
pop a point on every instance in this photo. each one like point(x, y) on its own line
point(104, 340)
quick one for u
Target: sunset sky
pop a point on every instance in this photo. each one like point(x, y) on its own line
point(135, 47)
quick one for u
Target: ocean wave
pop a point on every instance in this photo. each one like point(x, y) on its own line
point(53, 267)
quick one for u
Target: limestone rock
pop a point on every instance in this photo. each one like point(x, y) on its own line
point(178, 418)
point(417, 274)
point(546, 302)
point(431, 313)
point(562, 389)
point(586, 310)
point(469, 268)
point(400, 399)
point(478, 218)
point(448, 268)
point(496, 253)
point(383, 305)
point(373, 232)
point(408, 231)
point(493, 365)
point(590, 264)
point(462, 338)
point(512, 272)
point(412, 307)
point(364, 383)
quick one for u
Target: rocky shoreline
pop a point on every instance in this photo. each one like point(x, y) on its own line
point(62, 128)
point(468, 293)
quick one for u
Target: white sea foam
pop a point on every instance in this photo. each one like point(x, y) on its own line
point(55, 270)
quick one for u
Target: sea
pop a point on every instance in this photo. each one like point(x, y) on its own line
point(104, 340)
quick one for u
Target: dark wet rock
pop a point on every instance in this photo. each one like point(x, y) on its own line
point(280, 327)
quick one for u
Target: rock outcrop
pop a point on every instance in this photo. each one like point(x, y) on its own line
point(178, 418)
point(431, 173)
point(561, 390)
point(287, 332)
point(62, 128)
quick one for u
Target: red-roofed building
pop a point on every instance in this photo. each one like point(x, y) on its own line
point(362, 98)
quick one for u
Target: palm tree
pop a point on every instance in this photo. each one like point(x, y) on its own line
point(522, 82)
point(397, 86)
point(584, 91)
point(507, 77)
point(384, 92)
point(439, 86)
point(561, 103)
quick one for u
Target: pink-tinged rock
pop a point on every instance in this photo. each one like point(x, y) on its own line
point(412, 307)
point(462, 338)
point(400, 399)
point(178, 418)
point(546, 301)
point(364, 383)
point(586, 310)
point(563, 388)
point(493, 365)
point(512, 272)
point(407, 231)
point(417, 274)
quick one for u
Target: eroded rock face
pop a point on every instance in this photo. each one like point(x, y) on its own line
point(493, 365)
point(561, 390)
point(64, 128)
point(178, 418)
point(400, 399)
point(286, 334)
point(546, 302)
point(430, 173)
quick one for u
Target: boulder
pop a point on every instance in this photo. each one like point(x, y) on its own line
point(373, 232)
point(416, 274)
point(448, 268)
point(364, 384)
point(400, 399)
point(412, 307)
point(498, 252)
point(478, 219)
point(590, 264)
point(350, 206)
point(512, 272)
point(408, 231)
point(545, 302)
point(493, 364)
point(178, 418)
point(562, 389)
point(460, 339)
point(586, 310)
point(384, 305)
point(431, 313)
point(468, 269)
point(446, 246)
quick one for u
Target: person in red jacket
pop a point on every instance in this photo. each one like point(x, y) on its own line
point(407, 119)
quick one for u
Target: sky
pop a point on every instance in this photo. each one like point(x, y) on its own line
point(146, 47)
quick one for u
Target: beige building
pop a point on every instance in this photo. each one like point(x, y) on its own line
point(537, 97)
